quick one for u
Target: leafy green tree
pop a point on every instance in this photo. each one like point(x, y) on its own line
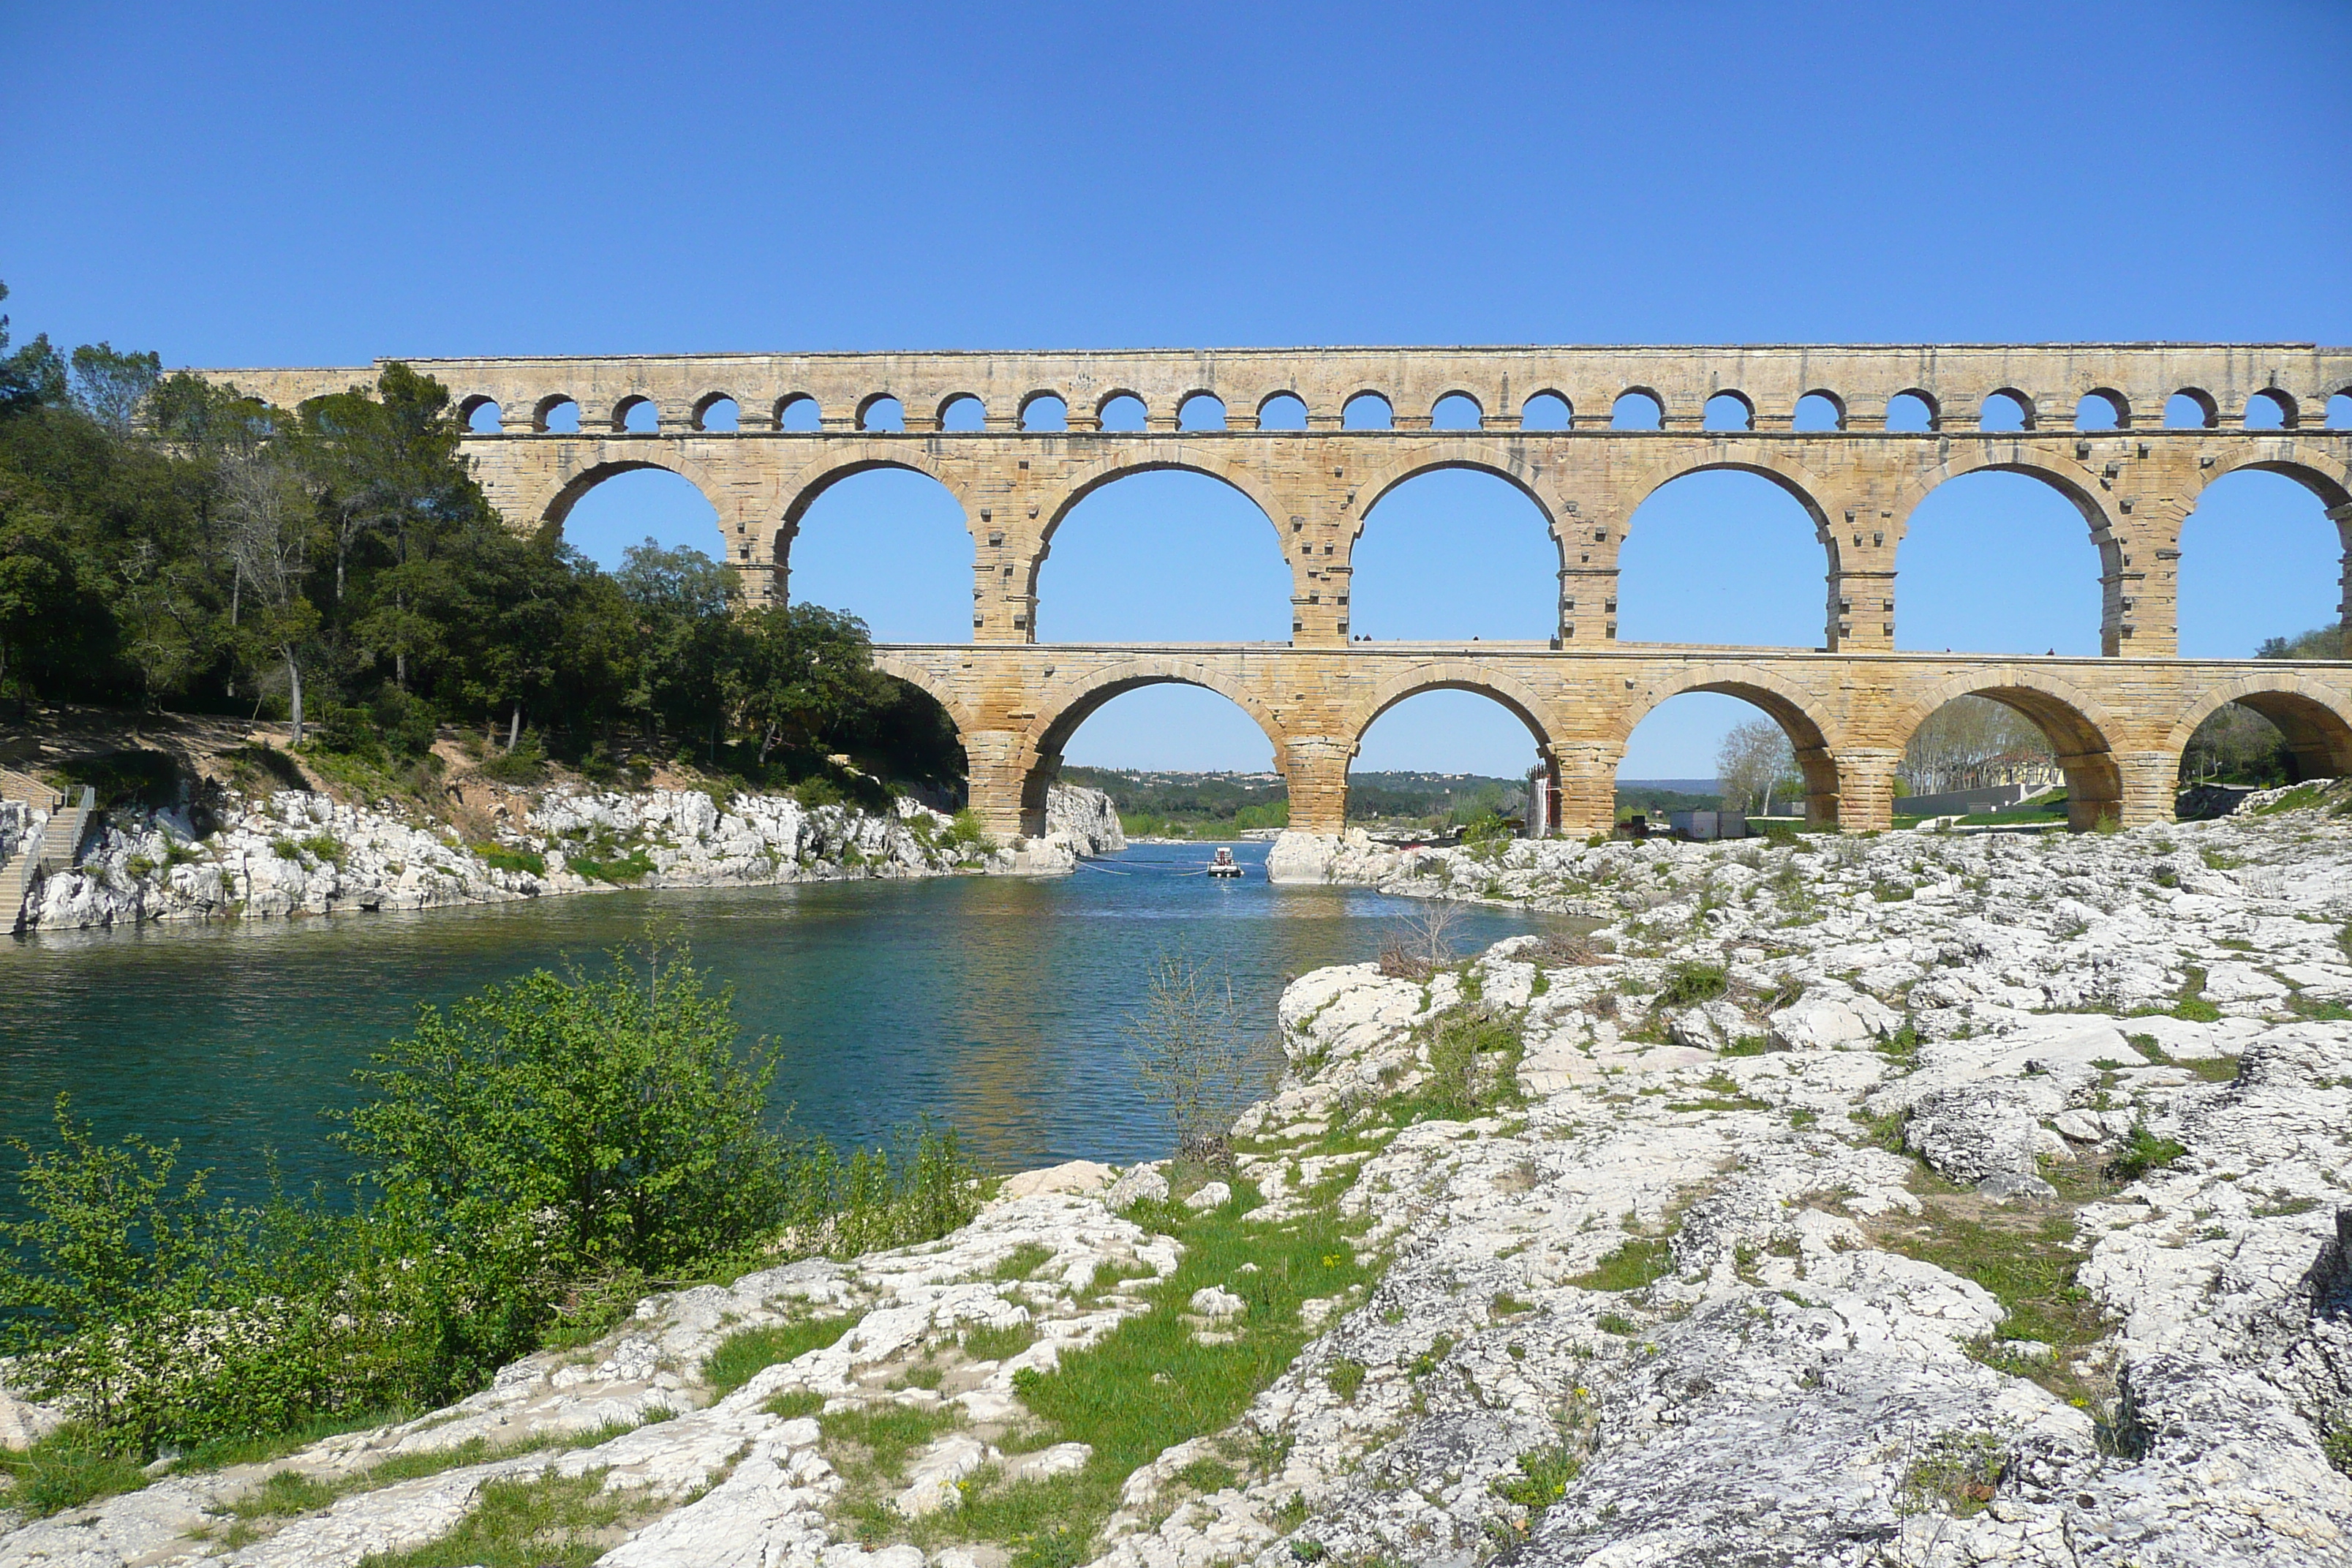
point(32, 377)
point(564, 1124)
point(43, 607)
point(2320, 642)
point(111, 386)
point(683, 603)
point(801, 673)
point(272, 522)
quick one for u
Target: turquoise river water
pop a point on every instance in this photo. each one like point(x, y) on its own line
point(989, 1003)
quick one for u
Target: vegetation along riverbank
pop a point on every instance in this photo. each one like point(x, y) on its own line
point(1902, 1200)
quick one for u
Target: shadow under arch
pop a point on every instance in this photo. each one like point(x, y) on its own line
point(800, 489)
point(567, 496)
point(1161, 458)
point(2332, 483)
point(928, 682)
point(1475, 457)
point(2315, 719)
point(1069, 704)
point(1817, 742)
point(2076, 723)
point(1447, 675)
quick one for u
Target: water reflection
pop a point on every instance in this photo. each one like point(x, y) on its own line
point(992, 1003)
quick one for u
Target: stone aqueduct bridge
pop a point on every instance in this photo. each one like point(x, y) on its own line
point(2119, 722)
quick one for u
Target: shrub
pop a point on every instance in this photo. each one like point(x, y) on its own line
point(500, 858)
point(1543, 1479)
point(524, 763)
point(2144, 1152)
point(159, 1315)
point(535, 1159)
point(589, 1119)
point(1191, 1053)
point(1692, 981)
point(1472, 1066)
point(964, 834)
point(815, 792)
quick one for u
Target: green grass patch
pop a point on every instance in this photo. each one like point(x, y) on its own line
point(1150, 1384)
point(1616, 1323)
point(997, 1344)
point(544, 1522)
point(1021, 1263)
point(2337, 1447)
point(1543, 1479)
point(1960, 1474)
point(1344, 1378)
point(285, 1493)
point(874, 1444)
point(2028, 1262)
point(2191, 1005)
point(500, 858)
point(2143, 1152)
point(1640, 1262)
point(71, 1466)
point(2213, 1069)
point(1746, 1045)
point(738, 1357)
point(794, 1403)
point(634, 867)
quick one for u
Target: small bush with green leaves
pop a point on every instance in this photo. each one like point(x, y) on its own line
point(1543, 1479)
point(500, 858)
point(1692, 982)
point(2142, 1153)
point(534, 1161)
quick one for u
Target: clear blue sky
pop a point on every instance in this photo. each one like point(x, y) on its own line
point(323, 184)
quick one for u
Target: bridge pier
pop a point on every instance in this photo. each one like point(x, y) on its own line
point(995, 784)
point(2150, 785)
point(1865, 802)
point(1316, 769)
point(1586, 779)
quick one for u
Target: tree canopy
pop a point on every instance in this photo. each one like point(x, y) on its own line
point(165, 542)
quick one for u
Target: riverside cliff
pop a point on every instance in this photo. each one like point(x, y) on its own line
point(1898, 1201)
point(296, 852)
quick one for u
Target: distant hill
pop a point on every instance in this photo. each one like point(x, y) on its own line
point(1164, 804)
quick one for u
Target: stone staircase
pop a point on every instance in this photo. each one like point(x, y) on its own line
point(58, 849)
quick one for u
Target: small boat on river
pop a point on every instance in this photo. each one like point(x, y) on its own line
point(1224, 865)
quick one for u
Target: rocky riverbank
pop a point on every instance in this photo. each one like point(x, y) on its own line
point(297, 852)
point(1909, 1200)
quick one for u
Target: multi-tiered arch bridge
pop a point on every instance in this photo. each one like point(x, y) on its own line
point(2131, 433)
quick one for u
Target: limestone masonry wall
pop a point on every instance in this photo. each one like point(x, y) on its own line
point(802, 423)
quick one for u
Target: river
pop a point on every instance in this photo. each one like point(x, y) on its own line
point(993, 1003)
